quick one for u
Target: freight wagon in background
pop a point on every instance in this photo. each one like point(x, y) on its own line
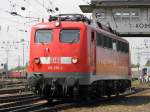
point(72, 56)
point(15, 74)
point(22, 73)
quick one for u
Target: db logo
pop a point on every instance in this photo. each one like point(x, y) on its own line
point(54, 60)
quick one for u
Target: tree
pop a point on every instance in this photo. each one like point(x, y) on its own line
point(18, 68)
point(135, 65)
point(147, 63)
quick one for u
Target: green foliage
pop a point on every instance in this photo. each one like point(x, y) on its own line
point(18, 68)
point(135, 65)
point(147, 63)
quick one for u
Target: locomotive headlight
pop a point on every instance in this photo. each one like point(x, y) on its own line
point(74, 60)
point(36, 60)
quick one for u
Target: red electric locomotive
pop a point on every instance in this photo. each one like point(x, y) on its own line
point(71, 56)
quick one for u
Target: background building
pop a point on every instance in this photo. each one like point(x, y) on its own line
point(128, 17)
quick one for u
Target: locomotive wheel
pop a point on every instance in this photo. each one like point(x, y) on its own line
point(86, 92)
point(117, 94)
point(49, 100)
point(75, 92)
point(109, 95)
point(40, 88)
point(47, 91)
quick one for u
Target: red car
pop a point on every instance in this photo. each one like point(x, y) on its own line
point(72, 57)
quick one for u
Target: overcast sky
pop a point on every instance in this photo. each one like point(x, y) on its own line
point(12, 27)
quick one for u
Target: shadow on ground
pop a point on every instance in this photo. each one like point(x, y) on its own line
point(127, 101)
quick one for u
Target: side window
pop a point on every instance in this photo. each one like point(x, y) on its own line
point(118, 46)
point(126, 47)
point(43, 36)
point(70, 36)
point(99, 39)
point(122, 46)
point(114, 44)
point(110, 43)
point(105, 41)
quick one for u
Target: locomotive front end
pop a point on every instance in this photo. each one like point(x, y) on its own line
point(57, 58)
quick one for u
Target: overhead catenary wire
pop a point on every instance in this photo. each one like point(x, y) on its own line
point(87, 2)
point(14, 12)
point(49, 8)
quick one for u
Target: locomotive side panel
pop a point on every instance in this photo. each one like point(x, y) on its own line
point(112, 57)
point(112, 63)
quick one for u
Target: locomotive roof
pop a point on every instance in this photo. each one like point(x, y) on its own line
point(70, 17)
point(76, 18)
point(105, 31)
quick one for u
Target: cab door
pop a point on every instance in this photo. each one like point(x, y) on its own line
point(41, 41)
point(93, 52)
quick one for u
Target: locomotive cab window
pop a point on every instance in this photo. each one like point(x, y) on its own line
point(70, 36)
point(43, 36)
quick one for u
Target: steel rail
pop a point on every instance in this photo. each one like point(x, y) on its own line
point(82, 103)
point(23, 108)
point(55, 106)
point(16, 98)
point(14, 90)
point(22, 102)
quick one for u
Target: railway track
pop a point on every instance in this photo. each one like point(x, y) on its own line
point(10, 83)
point(81, 103)
point(12, 90)
point(14, 85)
point(6, 99)
point(16, 102)
point(21, 101)
point(33, 103)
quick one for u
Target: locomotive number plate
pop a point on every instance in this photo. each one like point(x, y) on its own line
point(55, 68)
